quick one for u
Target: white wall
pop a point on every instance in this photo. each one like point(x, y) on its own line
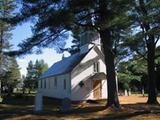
point(86, 92)
point(75, 92)
point(56, 91)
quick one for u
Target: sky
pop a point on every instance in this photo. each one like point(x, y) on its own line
point(49, 55)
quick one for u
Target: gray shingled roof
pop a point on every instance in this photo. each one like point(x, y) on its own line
point(63, 66)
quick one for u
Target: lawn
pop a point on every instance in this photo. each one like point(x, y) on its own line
point(133, 108)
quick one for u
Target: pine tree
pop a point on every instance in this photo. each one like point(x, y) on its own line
point(143, 40)
point(107, 18)
point(40, 67)
point(12, 78)
point(33, 73)
point(30, 81)
point(54, 18)
point(132, 71)
point(6, 9)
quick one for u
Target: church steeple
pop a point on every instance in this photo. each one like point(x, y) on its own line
point(88, 39)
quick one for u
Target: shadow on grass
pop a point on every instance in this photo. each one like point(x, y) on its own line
point(123, 116)
point(19, 107)
point(132, 110)
point(18, 100)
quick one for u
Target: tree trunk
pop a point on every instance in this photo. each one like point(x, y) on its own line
point(23, 90)
point(110, 68)
point(1, 59)
point(152, 93)
point(10, 91)
point(29, 91)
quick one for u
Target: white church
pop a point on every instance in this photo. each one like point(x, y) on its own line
point(81, 76)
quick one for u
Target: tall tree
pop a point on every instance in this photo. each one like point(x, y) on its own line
point(132, 71)
point(40, 66)
point(6, 9)
point(30, 81)
point(107, 18)
point(56, 17)
point(145, 16)
point(12, 78)
point(33, 73)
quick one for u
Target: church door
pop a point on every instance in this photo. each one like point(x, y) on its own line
point(97, 89)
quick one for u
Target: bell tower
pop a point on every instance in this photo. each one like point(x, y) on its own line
point(88, 39)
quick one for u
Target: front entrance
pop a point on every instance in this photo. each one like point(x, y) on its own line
point(97, 89)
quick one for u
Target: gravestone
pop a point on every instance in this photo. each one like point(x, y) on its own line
point(65, 105)
point(38, 102)
point(129, 92)
point(143, 92)
point(1, 99)
point(125, 92)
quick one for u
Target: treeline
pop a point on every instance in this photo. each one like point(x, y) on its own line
point(132, 77)
point(9, 70)
point(34, 71)
point(10, 77)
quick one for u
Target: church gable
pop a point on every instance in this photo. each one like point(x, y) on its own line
point(92, 57)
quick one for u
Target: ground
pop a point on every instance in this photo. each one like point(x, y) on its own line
point(132, 108)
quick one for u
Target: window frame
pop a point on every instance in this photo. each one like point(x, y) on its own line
point(55, 82)
point(41, 84)
point(96, 67)
point(64, 84)
point(45, 85)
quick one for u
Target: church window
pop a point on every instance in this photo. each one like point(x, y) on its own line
point(41, 83)
point(55, 82)
point(49, 83)
point(44, 83)
point(64, 84)
point(96, 67)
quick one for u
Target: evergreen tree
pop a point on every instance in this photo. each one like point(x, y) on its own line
point(33, 73)
point(54, 18)
point(6, 9)
point(144, 37)
point(131, 74)
point(30, 81)
point(40, 67)
point(12, 78)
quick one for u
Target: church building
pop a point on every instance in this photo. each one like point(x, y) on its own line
point(81, 76)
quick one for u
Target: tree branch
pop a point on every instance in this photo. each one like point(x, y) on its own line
point(30, 46)
point(86, 25)
point(156, 40)
point(143, 56)
point(157, 56)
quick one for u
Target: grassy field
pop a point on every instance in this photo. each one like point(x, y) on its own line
point(132, 108)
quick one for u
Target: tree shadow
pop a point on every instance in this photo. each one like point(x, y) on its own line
point(20, 107)
point(84, 110)
point(21, 100)
point(124, 116)
point(131, 110)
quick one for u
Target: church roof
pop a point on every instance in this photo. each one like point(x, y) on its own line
point(63, 66)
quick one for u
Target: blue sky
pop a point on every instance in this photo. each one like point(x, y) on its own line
point(49, 55)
